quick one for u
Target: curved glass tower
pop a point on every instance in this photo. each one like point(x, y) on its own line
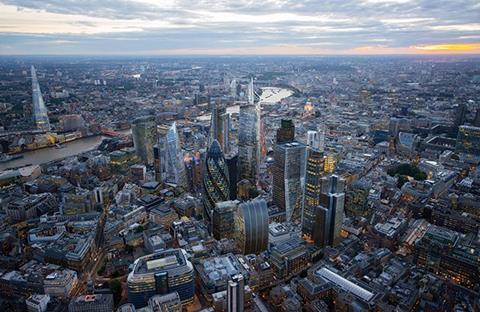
point(251, 225)
point(215, 179)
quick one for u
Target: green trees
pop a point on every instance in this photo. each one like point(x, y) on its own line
point(406, 170)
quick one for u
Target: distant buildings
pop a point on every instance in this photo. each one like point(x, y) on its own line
point(144, 132)
point(215, 179)
point(161, 273)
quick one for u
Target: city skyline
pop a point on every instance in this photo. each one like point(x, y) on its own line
point(145, 27)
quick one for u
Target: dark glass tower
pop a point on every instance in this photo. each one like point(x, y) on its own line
point(215, 179)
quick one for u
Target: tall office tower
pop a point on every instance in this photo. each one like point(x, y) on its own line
point(329, 214)
point(289, 178)
point(313, 139)
point(172, 167)
point(232, 164)
point(161, 273)
point(236, 294)
point(220, 127)
point(215, 180)
point(251, 226)
point(193, 171)
point(468, 140)
point(329, 163)
point(286, 132)
point(40, 112)
point(144, 132)
point(233, 88)
point(316, 139)
point(248, 137)
point(223, 218)
point(315, 171)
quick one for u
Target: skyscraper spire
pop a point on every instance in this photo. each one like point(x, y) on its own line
point(40, 112)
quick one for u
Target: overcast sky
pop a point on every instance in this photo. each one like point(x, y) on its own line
point(172, 27)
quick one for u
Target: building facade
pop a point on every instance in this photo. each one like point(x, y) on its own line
point(248, 137)
point(40, 112)
point(169, 163)
point(215, 180)
point(468, 140)
point(251, 226)
point(289, 178)
point(144, 132)
point(314, 172)
point(161, 273)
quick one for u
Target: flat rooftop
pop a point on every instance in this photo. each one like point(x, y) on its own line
point(160, 261)
point(345, 284)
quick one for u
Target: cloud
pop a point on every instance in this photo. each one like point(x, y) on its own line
point(306, 27)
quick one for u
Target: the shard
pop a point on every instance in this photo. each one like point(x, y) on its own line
point(40, 112)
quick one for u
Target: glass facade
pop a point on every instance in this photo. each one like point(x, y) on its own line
point(174, 273)
point(251, 224)
point(169, 164)
point(215, 179)
point(144, 132)
point(289, 178)
point(40, 112)
point(314, 173)
point(248, 143)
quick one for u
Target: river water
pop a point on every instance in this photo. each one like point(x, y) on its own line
point(270, 95)
point(48, 154)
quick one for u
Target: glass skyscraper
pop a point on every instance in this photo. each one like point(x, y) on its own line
point(248, 137)
point(220, 127)
point(215, 179)
point(251, 226)
point(289, 178)
point(40, 112)
point(144, 132)
point(314, 173)
point(169, 164)
point(329, 214)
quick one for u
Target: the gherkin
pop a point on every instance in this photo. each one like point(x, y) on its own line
point(215, 179)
